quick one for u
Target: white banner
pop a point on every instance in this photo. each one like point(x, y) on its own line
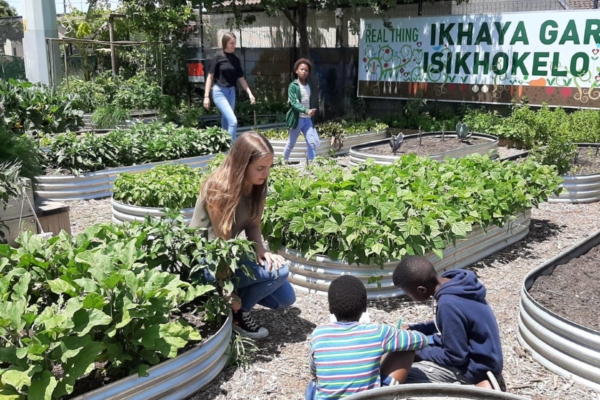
point(555, 52)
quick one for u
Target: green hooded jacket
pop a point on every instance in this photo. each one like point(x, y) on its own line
point(295, 100)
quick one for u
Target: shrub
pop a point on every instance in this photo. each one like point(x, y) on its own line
point(373, 214)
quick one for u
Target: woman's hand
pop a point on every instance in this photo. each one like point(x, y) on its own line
point(311, 112)
point(252, 99)
point(207, 103)
point(273, 261)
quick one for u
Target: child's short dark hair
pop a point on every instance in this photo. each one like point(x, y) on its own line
point(347, 298)
point(414, 271)
point(303, 61)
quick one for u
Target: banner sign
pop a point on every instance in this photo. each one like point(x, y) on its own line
point(551, 57)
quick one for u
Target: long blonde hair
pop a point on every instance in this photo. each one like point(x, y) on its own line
point(221, 192)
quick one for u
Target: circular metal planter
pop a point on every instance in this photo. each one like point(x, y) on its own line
point(433, 391)
point(359, 156)
point(315, 275)
point(173, 379)
point(566, 348)
point(122, 213)
point(579, 188)
point(324, 150)
point(96, 185)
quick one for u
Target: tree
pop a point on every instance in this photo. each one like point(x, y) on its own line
point(6, 10)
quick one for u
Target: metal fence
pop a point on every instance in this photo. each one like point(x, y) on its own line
point(12, 64)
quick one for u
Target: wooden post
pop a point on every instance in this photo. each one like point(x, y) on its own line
point(111, 33)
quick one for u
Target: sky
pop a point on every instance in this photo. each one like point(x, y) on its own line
point(60, 4)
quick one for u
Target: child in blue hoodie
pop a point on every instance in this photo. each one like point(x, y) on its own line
point(464, 339)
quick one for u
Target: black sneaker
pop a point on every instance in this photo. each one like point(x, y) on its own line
point(244, 324)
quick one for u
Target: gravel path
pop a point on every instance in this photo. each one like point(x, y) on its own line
point(279, 368)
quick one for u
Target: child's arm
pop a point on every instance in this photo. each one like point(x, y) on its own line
point(401, 340)
point(427, 328)
point(454, 349)
point(294, 101)
point(311, 361)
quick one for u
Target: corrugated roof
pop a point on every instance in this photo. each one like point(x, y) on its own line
point(581, 4)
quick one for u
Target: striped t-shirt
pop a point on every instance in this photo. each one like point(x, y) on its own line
point(345, 357)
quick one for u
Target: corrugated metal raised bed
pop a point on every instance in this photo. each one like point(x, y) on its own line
point(126, 213)
point(299, 151)
point(444, 391)
point(316, 274)
point(358, 156)
point(562, 346)
point(263, 127)
point(95, 185)
point(579, 188)
point(173, 379)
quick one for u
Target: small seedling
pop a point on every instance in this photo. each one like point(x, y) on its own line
point(462, 131)
point(396, 142)
point(420, 137)
point(597, 151)
point(444, 132)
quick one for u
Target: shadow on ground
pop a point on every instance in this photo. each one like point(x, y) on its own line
point(285, 327)
point(540, 230)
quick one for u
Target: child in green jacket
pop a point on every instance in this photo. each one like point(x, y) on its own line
point(299, 116)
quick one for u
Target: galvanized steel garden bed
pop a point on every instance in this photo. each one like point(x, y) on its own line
point(580, 188)
point(122, 213)
point(173, 379)
point(359, 156)
point(96, 185)
point(316, 274)
point(324, 150)
point(562, 346)
point(444, 391)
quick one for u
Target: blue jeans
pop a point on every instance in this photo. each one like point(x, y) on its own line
point(224, 99)
point(269, 289)
point(311, 136)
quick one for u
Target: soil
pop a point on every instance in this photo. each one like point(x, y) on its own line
point(430, 145)
point(587, 161)
point(573, 290)
point(504, 152)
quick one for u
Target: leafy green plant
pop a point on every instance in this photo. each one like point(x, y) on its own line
point(106, 303)
point(20, 149)
point(37, 109)
point(109, 117)
point(9, 187)
point(147, 189)
point(373, 214)
point(143, 143)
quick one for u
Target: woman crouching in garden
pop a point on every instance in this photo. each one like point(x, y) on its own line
point(299, 116)
point(232, 200)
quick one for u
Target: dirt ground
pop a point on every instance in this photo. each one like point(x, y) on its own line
point(279, 369)
point(573, 290)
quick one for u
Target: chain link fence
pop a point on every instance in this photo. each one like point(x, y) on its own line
point(12, 63)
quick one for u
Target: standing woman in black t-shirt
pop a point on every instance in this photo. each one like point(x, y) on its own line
point(225, 71)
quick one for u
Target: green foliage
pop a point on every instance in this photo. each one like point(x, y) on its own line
point(373, 213)
point(37, 109)
point(20, 149)
point(9, 187)
point(139, 92)
point(148, 189)
point(333, 129)
point(143, 143)
point(112, 296)
point(109, 117)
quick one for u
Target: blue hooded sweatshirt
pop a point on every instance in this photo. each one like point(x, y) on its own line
point(467, 334)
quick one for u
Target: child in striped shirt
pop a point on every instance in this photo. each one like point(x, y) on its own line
point(348, 357)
